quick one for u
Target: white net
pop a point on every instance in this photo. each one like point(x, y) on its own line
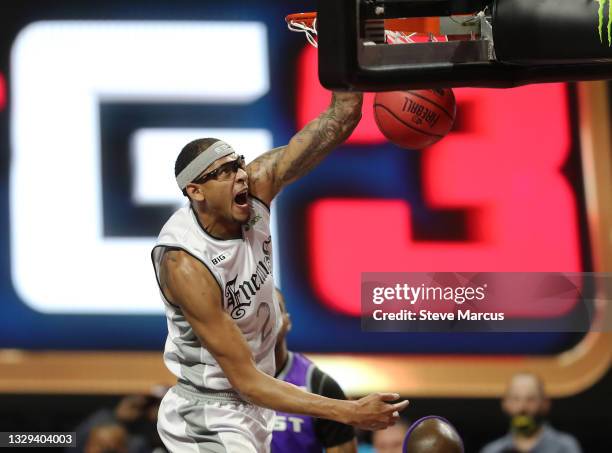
point(303, 26)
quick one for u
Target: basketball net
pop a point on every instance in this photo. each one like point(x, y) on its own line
point(307, 23)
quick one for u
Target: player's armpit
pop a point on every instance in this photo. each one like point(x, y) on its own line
point(269, 173)
point(347, 447)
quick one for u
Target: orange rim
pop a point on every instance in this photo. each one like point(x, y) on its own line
point(301, 18)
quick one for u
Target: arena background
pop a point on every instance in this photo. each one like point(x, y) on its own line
point(96, 98)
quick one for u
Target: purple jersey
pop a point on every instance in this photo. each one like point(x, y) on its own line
point(295, 433)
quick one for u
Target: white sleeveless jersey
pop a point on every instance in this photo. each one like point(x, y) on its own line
point(243, 270)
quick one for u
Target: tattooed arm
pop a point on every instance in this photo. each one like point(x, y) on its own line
point(270, 172)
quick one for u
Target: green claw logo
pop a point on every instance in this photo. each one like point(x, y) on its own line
point(602, 13)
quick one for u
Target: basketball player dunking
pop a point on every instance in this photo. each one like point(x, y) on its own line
point(213, 262)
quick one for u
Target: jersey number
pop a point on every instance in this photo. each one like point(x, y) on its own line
point(265, 332)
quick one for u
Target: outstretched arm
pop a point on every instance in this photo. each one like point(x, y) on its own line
point(270, 172)
point(187, 283)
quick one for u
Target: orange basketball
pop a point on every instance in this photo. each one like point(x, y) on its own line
point(417, 118)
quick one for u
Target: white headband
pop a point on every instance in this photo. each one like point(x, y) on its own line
point(215, 151)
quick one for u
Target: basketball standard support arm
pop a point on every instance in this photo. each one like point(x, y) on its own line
point(532, 42)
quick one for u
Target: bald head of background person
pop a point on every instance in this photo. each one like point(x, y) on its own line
point(526, 403)
point(433, 435)
point(527, 406)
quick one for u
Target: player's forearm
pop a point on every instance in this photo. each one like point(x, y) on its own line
point(272, 171)
point(319, 137)
point(264, 390)
point(330, 128)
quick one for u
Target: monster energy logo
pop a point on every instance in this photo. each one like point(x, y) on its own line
point(602, 13)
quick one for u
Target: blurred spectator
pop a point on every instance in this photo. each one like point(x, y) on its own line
point(137, 414)
point(109, 438)
point(527, 407)
point(390, 440)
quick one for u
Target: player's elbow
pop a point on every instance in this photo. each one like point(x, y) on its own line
point(252, 392)
point(249, 392)
point(247, 384)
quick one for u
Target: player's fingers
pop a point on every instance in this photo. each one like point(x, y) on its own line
point(388, 396)
point(398, 407)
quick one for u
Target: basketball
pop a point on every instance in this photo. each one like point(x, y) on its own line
point(415, 119)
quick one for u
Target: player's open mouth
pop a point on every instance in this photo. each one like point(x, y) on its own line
point(241, 199)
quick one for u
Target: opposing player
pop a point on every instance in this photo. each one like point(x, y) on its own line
point(213, 262)
point(300, 434)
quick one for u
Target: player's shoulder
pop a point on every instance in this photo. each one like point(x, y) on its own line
point(323, 384)
point(176, 225)
point(299, 357)
point(185, 272)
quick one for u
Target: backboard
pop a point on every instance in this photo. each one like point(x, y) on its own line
point(485, 43)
